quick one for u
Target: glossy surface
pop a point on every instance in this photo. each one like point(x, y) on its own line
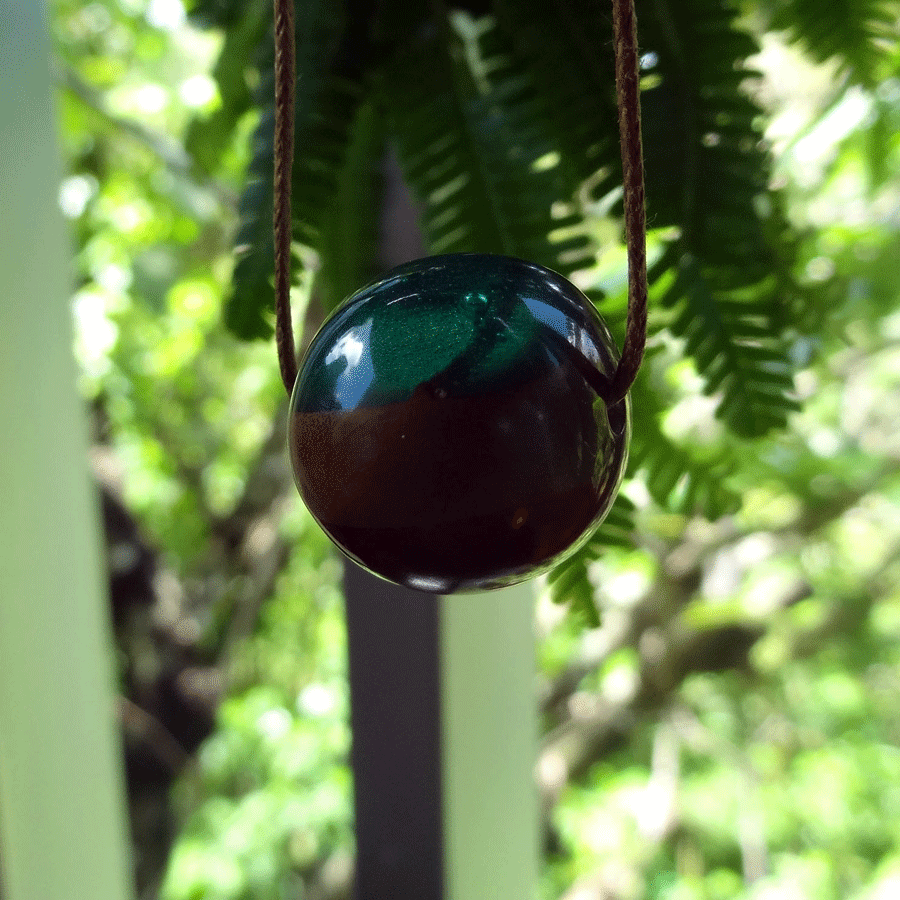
point(447, 429)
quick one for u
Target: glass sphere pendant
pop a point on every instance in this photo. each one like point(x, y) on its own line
point(448, 428)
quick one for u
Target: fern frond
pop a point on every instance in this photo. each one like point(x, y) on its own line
point(327, 110)
point(328, 95)
point(706, 171)
point(437, 151)
point(216, 13)
point(861, 34)
point(208, 136)
point(247, 308)
point(348, 234)
point(477, 150)
point(617, 529)
point(734, 340)
point(570, 583)
point(567, 47)
point(681, 484)
point(679, 479)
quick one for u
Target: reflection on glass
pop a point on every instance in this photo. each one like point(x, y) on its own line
point(358, 373)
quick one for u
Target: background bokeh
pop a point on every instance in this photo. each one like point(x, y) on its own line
point(731, 727)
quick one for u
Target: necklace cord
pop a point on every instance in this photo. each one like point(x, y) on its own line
point(629, 103)
point(285, 71)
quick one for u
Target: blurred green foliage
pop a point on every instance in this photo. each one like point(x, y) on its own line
point(747, 658)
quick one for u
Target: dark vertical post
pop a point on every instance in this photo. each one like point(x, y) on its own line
point(393, 645)
point(444, 723)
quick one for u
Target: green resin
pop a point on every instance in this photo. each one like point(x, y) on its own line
point(447, 426)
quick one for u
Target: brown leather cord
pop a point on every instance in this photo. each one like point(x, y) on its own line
point(285, 66)
point(628, 99)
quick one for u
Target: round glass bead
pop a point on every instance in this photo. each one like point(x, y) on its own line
point(448, 429)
